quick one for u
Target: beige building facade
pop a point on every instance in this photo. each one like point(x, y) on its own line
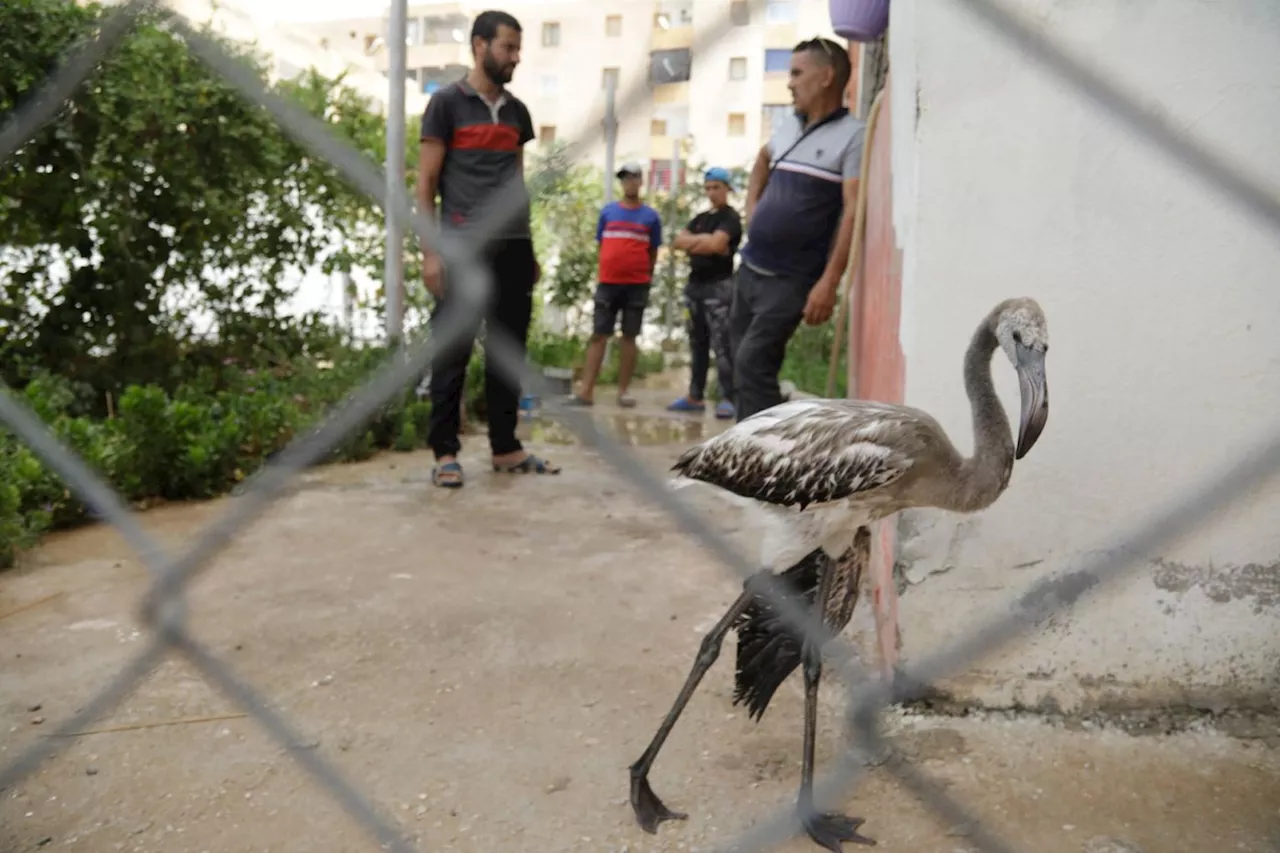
point(289, 49)
point(676, 81)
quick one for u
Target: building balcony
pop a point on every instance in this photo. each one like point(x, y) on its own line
point(671, 93)
point(671, 38)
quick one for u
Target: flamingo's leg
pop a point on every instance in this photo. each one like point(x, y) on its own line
point(650, 810)
point(828, 830)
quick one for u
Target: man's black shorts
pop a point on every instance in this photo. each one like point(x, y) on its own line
point(630, 299)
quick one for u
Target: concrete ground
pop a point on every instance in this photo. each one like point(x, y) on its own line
point(484, 664)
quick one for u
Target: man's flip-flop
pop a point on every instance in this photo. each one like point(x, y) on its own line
point(447, 476)
point(530, 464)
point(684, 404)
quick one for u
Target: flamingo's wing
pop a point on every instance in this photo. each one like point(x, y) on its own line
point(807, 452)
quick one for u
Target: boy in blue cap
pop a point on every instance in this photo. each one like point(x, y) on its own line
point(711, 238)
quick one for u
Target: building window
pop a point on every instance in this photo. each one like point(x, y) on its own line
point(551, 34)
point(737, 124)
point(740, 13)
point(780, 12)
point(546, 134)
point(777, 61)
point(412, 32)
point(613, 26)
point(660, 174)
point(738, 68)
point(607, 74)
point(550, 84)
point(658, 127)
point(449, 29)
point(678, 17)
point(432, 79)
point(775, 116)
point(669, 66)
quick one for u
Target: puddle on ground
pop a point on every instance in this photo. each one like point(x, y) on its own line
point(634, 430)
point(667, 380)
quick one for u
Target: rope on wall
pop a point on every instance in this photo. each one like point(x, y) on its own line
point(859, 239)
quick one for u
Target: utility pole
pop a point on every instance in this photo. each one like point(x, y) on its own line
point(672, 212)
point(610, 135)
point(393, 275)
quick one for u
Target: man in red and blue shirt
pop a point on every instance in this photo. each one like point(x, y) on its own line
point(629, 233)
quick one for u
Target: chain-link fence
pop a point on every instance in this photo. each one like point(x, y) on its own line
point(163, 608)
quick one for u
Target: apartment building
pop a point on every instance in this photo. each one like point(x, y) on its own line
point(720, 99)
point(290, 49)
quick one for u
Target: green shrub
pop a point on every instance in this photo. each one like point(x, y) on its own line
point(808, 358)
point(198, 442)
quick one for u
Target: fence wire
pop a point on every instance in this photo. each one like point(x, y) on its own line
point(163, 607)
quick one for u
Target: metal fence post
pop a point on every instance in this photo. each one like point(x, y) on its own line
point(673, 208)
point(393, 275)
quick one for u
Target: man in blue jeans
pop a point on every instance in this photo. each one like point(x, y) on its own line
point(800, 209)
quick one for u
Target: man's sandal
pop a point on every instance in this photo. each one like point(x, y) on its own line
point(447, 476)
point(530, 464)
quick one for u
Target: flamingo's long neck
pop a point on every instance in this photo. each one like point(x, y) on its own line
point(983, 476)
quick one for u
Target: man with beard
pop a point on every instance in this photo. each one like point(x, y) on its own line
point(473, 134)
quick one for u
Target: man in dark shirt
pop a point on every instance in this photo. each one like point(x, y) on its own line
point(473, 133)
point(800, 213)
point(711, 239)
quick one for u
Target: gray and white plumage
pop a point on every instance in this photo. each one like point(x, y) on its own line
point(821, 468)
point(813, 451)
point(804, 463)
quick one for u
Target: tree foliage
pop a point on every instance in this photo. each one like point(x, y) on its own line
point(159, 206)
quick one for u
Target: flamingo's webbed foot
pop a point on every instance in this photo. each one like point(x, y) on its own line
point(832, 830)
point(650, 811)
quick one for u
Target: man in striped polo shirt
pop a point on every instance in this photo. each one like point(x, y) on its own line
point(800, 210)
point(629, 232)
point(473, 133)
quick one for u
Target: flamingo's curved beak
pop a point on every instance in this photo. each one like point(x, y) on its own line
point(1035, 397)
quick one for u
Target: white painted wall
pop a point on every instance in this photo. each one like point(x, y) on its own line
point(1163, 301)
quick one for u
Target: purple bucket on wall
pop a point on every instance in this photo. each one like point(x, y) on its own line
point(859, 20)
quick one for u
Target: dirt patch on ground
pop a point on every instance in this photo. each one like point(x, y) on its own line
point(484, 665)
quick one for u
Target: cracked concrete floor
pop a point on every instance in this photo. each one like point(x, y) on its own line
point(484, 665)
